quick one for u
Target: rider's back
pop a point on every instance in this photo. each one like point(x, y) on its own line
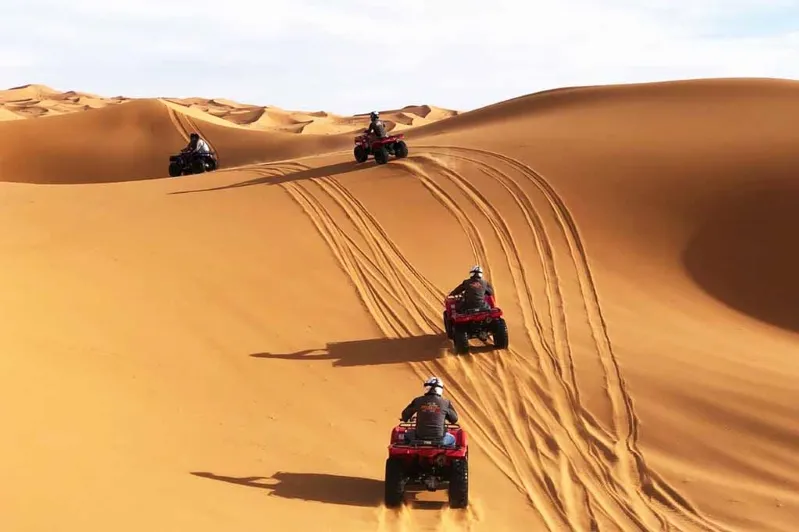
point(378, 128)
point(475, 292)
point(431, 414)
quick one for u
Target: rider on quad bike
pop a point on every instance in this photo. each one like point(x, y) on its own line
point(431, 411)
point(197, 146)
point(474, 290)
point(376, 127)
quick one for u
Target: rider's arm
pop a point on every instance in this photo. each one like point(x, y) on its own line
point(458, 289)
point(451, 415)
point(409, 411)
point(489, 289)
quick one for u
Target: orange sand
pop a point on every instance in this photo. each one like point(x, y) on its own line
point(230, 351)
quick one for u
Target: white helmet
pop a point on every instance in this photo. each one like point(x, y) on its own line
point(476, 271)
point(435, 384)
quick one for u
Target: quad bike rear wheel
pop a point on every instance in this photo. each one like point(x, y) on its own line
point(381, 155)
point(360, 154)
point(500, 333)
point(174, 169)
point(197, 166)
point(458, 491)
point(460, 337)
point(400, 149)
point(394, 483)
point(447, 325)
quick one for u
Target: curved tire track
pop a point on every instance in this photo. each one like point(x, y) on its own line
point(571, 436)
point(633, 467)
point(509, 390)
point(181, 128)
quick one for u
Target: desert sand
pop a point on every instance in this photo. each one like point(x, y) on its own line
point(229, 351)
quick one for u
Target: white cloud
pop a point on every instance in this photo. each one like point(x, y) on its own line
point(354, 55)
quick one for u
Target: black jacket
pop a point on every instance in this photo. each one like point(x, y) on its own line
point(431, 412)
point(474, 291)
point(378, 128)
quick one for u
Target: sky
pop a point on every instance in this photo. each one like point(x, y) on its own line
point(352, 56)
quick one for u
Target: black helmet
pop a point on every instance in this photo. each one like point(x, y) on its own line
point(374, 115)
point(194, 136)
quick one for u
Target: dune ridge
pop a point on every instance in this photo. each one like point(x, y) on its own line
point(33, 101)
point(639, 239)
point(136, 134)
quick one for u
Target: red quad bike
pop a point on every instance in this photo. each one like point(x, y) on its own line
point(380, 148)
point(429, 465)
point(480, 323)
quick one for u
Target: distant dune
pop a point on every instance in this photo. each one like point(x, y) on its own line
point(230, 351)
point(126, 139)
point(32, 101)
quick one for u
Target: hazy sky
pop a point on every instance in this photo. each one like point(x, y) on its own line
point(350, 56)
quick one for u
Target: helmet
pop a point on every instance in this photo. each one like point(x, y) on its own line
point(434, 385)
point(476, 271)
point(194, 136)
point(374, 115)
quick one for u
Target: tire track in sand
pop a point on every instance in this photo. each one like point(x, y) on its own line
point(513, 383)
point(631, 467)
point(357, 211)
point(548, 490)
point(525, 450)
point(523, 453)
point(565, 427)
point(364, 279)
point(587, 427)
point(181, 128)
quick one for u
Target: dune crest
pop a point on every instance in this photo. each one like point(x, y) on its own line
point(33, 101)
point(228, 350)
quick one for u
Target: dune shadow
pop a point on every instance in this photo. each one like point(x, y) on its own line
point(318, 487)
point(371, 352)
point(271, 179)
point(745, 253)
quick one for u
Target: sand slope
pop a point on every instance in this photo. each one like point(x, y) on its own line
point(133, 141)
point(230, 350)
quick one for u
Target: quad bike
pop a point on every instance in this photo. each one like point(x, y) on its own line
point(186, 163)
point(427, 464)
point(478, 323)
point(379, 148)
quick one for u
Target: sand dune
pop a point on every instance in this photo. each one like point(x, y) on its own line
point(133, 141)
point(33, 101)
point(125, 139)
point(229, 351)
point(5, 114)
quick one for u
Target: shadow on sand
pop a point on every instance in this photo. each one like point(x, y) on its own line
point(374, 351)
point(272, 179)
point(744, 253)
point(330, 489)
point(319, 487)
